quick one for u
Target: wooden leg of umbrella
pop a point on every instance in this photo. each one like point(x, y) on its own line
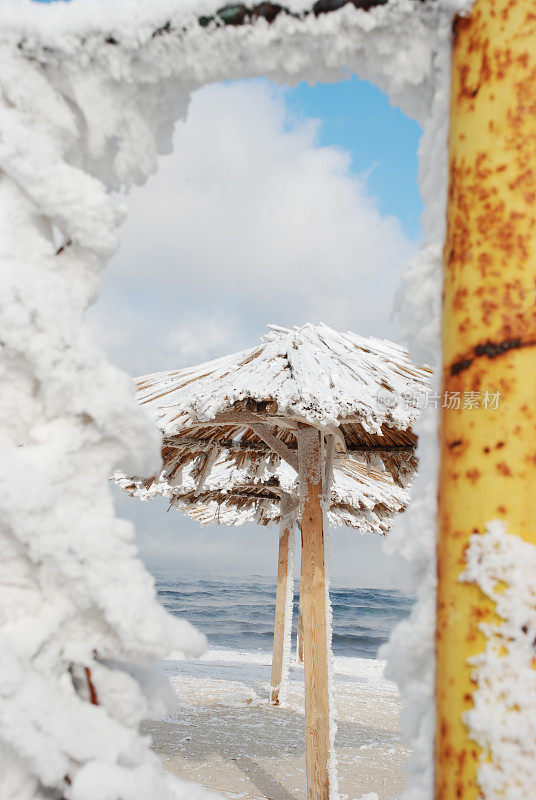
point(299, 636)
point(313, 596)
point(299, 643)
point(280, 615)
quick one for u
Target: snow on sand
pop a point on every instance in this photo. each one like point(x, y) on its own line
point(225, 736)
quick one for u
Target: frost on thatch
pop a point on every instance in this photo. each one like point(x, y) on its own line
point(360, 496)
point(231, 428)
point(249, 405)
point(312, 373)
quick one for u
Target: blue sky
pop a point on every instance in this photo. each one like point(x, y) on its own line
point(382, 141)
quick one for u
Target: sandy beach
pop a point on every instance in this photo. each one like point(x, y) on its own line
point(225, 736)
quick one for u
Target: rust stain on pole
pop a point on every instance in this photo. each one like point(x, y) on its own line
point(488, 453)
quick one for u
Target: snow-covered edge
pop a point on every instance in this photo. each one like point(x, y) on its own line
point(504, 567)
point(410, 652)
point(289, 608)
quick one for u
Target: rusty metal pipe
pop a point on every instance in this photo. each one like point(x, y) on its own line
point(488, 453)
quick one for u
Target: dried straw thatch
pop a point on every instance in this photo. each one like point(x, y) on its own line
point(359, 496)
point(247, 407)
point(230, 428)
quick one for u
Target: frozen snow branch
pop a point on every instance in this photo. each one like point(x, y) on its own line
point(179, 26)
point(503, 719)
point(240, 14)
point(210, 458)
point(359, 495)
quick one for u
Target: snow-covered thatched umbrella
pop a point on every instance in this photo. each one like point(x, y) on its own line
point(359, 496)
point(308, 397)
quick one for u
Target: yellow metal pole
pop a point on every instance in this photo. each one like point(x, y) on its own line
point(488, 453)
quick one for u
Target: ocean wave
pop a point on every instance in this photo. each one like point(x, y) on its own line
point(239, 614)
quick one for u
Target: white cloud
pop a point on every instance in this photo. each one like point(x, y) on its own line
point(248, 222)
point(197, 339)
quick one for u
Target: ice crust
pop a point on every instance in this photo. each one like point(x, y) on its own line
point(356, 492)
point(89, 97)
point(313, 373)
point(289, 607)
point(503, 718)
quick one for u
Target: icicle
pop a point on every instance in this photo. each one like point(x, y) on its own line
point(205, 470)
point(329, 450)
point(299, 633)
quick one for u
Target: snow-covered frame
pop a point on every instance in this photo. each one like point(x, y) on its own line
point(90, 93)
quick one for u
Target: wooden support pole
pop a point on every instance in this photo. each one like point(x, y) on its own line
point(279, 447)
point(315, 635)
point(299, 638)
point(488, 429)
point(280, 613)
point(299, 634)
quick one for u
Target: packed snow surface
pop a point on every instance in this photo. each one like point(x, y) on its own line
point(224, 733)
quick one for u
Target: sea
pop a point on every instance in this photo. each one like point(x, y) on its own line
point(237, 613)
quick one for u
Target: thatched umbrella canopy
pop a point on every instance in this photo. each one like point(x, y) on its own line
point(308, 397)
point(360, 496)
point(360, 390)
